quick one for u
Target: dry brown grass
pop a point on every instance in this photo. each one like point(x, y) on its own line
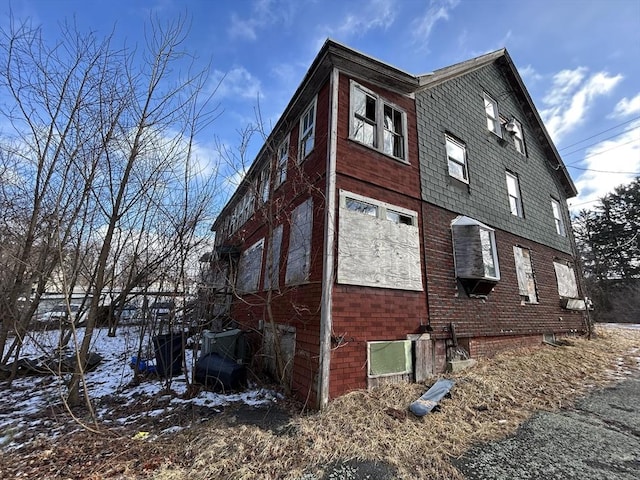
point(487, 402)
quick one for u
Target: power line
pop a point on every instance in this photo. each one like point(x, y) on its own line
point(605, 151)
point(605, 171)
point(599, 133)
point(602, 140)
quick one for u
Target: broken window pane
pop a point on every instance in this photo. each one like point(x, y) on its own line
point(362, 207)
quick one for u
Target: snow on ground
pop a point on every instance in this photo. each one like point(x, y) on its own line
point(30, 407)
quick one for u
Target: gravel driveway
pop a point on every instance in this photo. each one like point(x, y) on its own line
point(599, 438)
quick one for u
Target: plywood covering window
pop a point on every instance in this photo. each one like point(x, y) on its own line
point(566, 277)
point(299, 254)
point(389, 358)
point(272, 260)
point(378, 244)
point(524, 272)
point(249, 268)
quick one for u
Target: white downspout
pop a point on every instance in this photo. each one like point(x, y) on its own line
point(329, 248)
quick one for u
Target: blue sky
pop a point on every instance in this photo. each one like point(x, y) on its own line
point(580, 59)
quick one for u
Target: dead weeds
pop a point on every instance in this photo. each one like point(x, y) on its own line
point(487, 402)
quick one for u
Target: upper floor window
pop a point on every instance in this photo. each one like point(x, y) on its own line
point(377, 123)
point(557, 217)
point(307, 131)
point(457, 159)
point(265, 179)
point(493, 118)
point(514, 127)
point(513, 189)
point(283, 159)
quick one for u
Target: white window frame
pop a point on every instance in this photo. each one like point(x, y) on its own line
point(307, 135)
point(265, 183)
point(557, 217)
point(494, 125)
point(515, 195)
point(526, 276)
point(381, 211)
point(518, 137)
point(406, 348)
point(450, 139)
point(484, 233)
point(282, 162)
point(382, 130)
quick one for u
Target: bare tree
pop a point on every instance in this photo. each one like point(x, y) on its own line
point(99, 166)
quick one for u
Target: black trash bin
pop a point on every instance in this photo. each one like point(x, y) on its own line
point(169, 353)
point(220, 373)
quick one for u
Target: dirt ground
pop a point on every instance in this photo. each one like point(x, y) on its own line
point(362, 435)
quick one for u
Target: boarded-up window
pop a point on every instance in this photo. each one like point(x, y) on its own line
point(299, 255)
point(524, 271)
point(378, 244)
point(567, 286)
point(389, 358)
point(272, 262)
point(249, 268)
point(279, 341)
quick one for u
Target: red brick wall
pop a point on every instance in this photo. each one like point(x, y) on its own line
point(297, 306)
point(363, 314)
point(501, 314)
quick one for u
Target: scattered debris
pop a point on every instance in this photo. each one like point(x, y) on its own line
point(431, 397)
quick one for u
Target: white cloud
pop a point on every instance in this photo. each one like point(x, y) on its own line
point(529, 75)
point(571, 96)
point(376, 14)
point(607, 165)
point(626, 107)
point(422, 26)
point(237, 83)
point(244, 29)
point(264, 13)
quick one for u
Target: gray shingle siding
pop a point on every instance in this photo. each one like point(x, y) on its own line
point(457, 107)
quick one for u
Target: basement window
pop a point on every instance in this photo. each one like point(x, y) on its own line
point(386, 358)
point(475, 256)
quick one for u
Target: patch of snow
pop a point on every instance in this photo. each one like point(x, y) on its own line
point(24, 404)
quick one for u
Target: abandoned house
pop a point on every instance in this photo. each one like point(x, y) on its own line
point(392, 223)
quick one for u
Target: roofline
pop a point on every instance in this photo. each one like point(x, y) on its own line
point(463, 68)
point(334, 54)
